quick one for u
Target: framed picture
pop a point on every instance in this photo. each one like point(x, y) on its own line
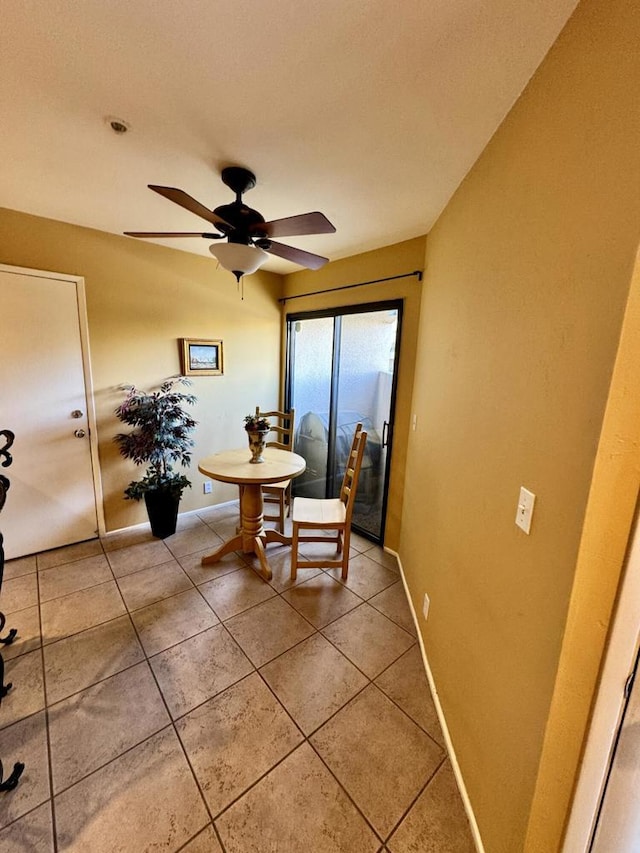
point(201, 358)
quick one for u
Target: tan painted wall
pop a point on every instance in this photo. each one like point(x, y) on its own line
point(527, 278)
point(398, 259)
point(140, 299)
point(611, 510)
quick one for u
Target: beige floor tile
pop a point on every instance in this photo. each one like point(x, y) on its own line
point(18, 567)
point(205, 842)
point(235, 738)
point(124, 561)
point(405, 682)
point(33, 833)
point(199, 574)
point(28, 638)
point(231, 594)
point(79, 661)
point(280, 563)
point(194, 538)
point(393, 603)
point(19, 593)
point(25, 741)
point(219, 512)
point(377, 553)
point(199, 668)
point(153, 584)
point(323, 819)
point(366, 577)
point(437, 823)
point(68, 554)
point(268, 629)
point(80, 610)
point(172, 620)
point(368, 639)
point(313, 680)
point(225, 528)
point(144, 800)
point(125, 538)
point(188, 521)
point(27, 694)
point(322, 551)
point(321, 599)
point(379, 755)
point(71, 577)
point(92, 727)
point(359, 543)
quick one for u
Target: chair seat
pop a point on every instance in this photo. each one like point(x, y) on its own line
point(317, 517)
point(314, 511)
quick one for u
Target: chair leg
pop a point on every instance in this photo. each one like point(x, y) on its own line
point(239, 524)
point(281, 514)
point(294, 552)
point(345, 553)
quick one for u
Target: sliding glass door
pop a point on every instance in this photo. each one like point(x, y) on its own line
point(342, 367)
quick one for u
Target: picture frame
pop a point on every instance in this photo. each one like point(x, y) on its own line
point(201, 357)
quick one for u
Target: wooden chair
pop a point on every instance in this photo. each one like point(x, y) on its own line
point(329, 514)
point(283, 424)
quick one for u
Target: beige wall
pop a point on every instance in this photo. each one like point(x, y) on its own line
point(393, 260)
point(140, 299)
point(527, 278)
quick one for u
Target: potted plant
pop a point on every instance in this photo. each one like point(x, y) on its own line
point(257, 429)
point(161, 437)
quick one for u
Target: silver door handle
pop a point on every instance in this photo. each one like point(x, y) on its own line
point(79, 433)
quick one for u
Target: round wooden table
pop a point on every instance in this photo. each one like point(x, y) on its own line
point(233, 466)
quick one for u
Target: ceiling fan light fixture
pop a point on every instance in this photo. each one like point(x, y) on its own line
point(239, 258)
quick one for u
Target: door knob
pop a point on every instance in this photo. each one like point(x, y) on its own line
point(76, 413)
point(79, 433)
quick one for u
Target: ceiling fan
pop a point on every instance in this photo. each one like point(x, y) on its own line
point(249, 236)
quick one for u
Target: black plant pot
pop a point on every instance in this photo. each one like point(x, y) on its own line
point(162, 509)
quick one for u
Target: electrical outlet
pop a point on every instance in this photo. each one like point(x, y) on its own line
point(207, 487)
point(425, 605)
point(524, 512)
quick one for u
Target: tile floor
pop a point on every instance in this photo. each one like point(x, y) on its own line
point(162, 706)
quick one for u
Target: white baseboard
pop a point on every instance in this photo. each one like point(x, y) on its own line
point(180, 515)
point(475, 831)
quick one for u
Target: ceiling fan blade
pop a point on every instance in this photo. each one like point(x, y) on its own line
point(298, 256)
point(290, 226)
point(171, 234)
point(188, 202)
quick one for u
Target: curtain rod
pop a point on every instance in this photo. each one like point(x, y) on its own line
point(417, 273)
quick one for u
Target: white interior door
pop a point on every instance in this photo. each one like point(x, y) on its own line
point(43, 400)
point(618, 827)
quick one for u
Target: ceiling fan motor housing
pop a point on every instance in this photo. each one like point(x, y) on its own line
point(240, 221)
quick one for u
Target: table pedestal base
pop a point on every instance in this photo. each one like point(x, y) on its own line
point(252, 537)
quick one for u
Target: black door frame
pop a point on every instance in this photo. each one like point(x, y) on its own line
point(337, 314)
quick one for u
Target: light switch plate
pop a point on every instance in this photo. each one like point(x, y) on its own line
point(524, 512)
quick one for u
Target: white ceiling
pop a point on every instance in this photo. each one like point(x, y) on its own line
point(370, 113)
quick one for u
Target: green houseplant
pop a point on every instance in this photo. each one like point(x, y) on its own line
point(161, 438)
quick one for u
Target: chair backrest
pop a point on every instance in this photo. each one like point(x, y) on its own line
point(352, 470)
point(283, 424)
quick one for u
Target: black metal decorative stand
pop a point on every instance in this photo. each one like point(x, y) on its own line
point(6, 459)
